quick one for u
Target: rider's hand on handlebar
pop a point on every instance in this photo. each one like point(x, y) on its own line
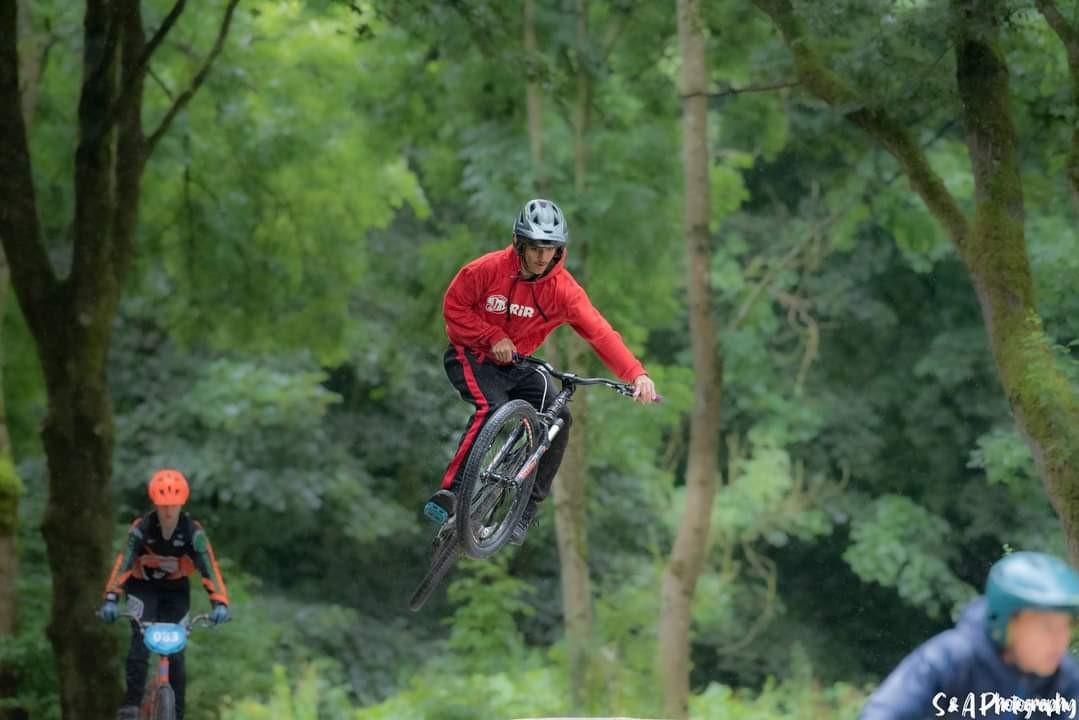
point(108, 612)
point(220, 613)
point(644, 390)
point(504, 350)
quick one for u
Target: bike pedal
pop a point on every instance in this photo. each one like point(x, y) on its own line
point(432, 511)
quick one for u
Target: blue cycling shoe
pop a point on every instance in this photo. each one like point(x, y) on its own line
point(440, 506)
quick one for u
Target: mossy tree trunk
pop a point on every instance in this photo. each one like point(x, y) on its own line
point(71, 317)
point(691, 543)
point(10, 489)
point(992, 243)
point(10, 484)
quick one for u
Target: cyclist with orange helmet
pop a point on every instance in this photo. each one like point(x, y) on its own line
point(163, 547)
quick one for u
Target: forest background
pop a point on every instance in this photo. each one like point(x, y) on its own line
point(841, 236)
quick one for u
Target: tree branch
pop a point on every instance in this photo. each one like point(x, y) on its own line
point(159, 35)
point(1060, 25)
point(32, 275)
point(755, 88)
point(1069, 36)
point(200, 76)
point(610, 38)
point(895, 138)
point(131, 86)
point(161, 84)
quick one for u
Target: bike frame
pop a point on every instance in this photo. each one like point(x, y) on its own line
point(161, 677)
point(447, 544)
point(550, 418)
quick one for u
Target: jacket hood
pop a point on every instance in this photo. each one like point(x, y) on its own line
point(972, 617)
point(514, 263)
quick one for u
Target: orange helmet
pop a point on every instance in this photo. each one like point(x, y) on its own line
point(168, 487)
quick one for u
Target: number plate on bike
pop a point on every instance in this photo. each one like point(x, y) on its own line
point(165, 638)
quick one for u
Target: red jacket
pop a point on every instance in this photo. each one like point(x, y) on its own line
point(488, 300)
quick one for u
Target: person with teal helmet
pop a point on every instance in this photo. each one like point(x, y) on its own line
point(1007, 657)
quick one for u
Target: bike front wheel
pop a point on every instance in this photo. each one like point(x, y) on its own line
point(164, 704)
point(492, 496)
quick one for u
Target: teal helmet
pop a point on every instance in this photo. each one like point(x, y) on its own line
point(1028, 581)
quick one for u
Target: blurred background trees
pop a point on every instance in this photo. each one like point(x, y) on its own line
point(279, 339)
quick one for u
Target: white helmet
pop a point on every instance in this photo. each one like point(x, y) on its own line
point(540, 222)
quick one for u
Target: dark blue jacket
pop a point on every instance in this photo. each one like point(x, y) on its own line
point(957, 663)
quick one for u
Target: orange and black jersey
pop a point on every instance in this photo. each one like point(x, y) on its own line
point(148, 555)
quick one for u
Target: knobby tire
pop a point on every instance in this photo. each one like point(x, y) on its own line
point(164, 703)
point(479, 466)
point(445, 556)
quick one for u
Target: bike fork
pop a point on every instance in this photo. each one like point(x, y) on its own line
point(528, 467)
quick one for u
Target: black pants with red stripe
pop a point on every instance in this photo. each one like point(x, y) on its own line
point(160, 604)
point(488, 386)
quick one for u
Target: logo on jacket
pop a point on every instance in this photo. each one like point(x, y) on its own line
point(497, 304)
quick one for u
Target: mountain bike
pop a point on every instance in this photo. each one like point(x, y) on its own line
point(164, 640)
point(497, 479)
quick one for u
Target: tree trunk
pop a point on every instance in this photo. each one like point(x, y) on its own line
point(10, 489)
point(1043, 401)
point(10, 484)
point(572, 528)
point(570, 496)
point(691, 543)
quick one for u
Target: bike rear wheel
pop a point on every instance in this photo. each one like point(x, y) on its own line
point(491, 500)
point(164, 704)
point(445, 555)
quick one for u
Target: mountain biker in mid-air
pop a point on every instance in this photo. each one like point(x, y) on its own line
point(506, 303)
point(1010, 646)
point(163, 547)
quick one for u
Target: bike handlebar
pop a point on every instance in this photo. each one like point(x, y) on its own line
point(621, 388)
point(202, 620)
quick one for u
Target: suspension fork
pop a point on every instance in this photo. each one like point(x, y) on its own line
point(544, 446)
point(555, 427)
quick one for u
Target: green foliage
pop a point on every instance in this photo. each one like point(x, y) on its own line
point(284, 228)
point(624, 672)
point(28, 650)
point(767, 499)
point(777, 700)
point(312, 699)
point(483, 631)
point(1005, 458)
point(900, 544)
point(219, 659)
point(10, 490)
point(281, 342)
point(23, 386)
point(461, 696)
